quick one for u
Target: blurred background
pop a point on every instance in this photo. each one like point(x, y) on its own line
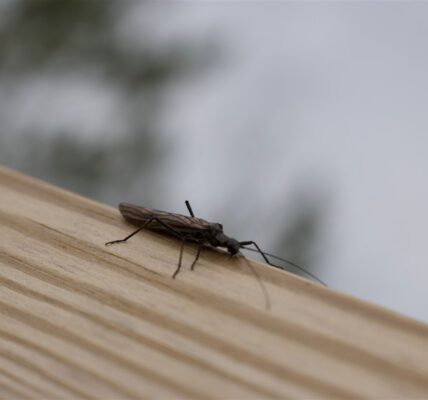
point(300, 125)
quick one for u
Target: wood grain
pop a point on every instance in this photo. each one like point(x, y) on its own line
point(81, 320)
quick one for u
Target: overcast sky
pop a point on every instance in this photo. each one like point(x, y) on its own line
point(325, 96)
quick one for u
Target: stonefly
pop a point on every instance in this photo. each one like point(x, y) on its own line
point(196, 230)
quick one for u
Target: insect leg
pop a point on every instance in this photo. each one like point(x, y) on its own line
point(265, 254)
point(198, 253)
point(250, 242)
point(150, 220)
point(180, 258)
point(197, 257)
point(129, 236)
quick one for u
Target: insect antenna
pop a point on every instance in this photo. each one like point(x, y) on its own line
point(263, 287)
point(288, 262)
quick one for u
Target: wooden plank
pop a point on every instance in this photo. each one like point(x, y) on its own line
point(80, 320)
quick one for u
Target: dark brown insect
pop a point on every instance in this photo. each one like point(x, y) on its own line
point(193, 229)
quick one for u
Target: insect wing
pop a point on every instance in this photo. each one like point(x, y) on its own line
point(138, 215)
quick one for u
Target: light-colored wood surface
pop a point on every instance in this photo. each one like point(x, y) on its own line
point(79, 320)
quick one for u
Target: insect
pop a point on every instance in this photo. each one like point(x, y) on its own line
point(196, 230)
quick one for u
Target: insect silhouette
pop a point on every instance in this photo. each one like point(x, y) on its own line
point(196, 230)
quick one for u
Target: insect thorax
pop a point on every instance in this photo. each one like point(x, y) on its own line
point(218, 239)
point(215, 227)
